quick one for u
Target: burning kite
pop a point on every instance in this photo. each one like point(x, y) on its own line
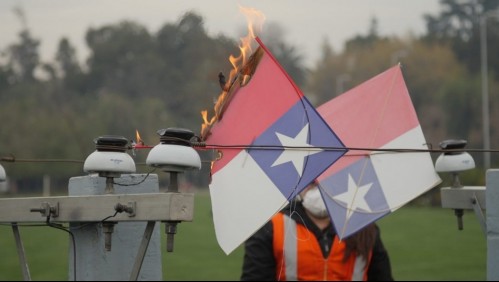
point(272, 143)
point(270, 139)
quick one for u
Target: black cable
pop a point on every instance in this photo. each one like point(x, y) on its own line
point(138, 183)
point(42, 225)
point(12, 159)
point(61, 227)
point(203, 145)
point(23, 225)
point(93, 223)
point(331, 148)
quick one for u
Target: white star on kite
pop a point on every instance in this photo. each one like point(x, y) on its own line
point(295, 156)
point(354, 198)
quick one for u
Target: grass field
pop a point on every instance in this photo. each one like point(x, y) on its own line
point(424, 244)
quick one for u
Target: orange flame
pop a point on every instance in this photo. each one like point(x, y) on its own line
point(255, 20)
point(138, 139)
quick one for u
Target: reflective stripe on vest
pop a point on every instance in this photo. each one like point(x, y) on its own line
point(290, 249)
point(299, 256)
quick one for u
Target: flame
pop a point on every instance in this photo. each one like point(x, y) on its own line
point(206, 123)
point(138, 139)
point(255, 20)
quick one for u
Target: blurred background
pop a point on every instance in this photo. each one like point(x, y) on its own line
point(133, 78)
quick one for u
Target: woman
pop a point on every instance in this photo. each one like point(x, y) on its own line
point(300, 243)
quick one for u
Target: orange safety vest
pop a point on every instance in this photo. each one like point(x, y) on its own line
point(299, 256)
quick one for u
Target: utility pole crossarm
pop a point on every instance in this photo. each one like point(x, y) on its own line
point(95, 208)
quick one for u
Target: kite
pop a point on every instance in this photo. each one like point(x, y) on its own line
point(270, 142)
point(388, 163)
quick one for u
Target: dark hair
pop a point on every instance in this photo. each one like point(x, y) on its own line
point(361, 242)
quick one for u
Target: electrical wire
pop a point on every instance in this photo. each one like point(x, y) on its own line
point(12, 159)
point(331, 148)
point(93, 223)
point(202, 145)
point(61, 227)
point(138, 183)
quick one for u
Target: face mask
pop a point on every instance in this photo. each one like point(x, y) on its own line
point(312, 201)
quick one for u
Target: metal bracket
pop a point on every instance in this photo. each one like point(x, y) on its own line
point(129, 209)
point(169, 207)
point(47, 210)
point(153, 207)
point(139, 259)
point(479, 214)
point(460, 197)
point(21, 253)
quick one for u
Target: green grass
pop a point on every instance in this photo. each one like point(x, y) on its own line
point(197, 255)
point(424, 244)
point(46, 251)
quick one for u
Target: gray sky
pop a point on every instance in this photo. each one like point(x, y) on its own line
point(306, 23)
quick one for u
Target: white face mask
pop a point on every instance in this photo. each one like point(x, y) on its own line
point(312, 201)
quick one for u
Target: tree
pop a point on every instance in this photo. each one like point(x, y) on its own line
point(432, 75)
point(370, 38)
point(66, 58)
point(287, 55)
point(459, 25)
point(363, 56)
point(320, 85)
point(192, 60)
point(73, 79)
point(6, 79)
point(23, 56)
point(121, 59)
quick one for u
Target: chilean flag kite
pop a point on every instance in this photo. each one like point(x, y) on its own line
point(365, 185)
point(270, 141)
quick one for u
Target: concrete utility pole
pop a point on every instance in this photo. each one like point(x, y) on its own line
point(492, 199)
point(93, 261)
point(477, 198)
point(113, 212)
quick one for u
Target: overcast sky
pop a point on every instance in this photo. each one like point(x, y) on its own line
point(306, 23)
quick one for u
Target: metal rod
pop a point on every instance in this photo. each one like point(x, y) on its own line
point(459, 215)
point(20, 251)
point(108, 229)
point(173, 187)
point(171, 230)
point(485, 91)
point(109, 185)
point(171, 226)
point(139, 259)
point(479, 214)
